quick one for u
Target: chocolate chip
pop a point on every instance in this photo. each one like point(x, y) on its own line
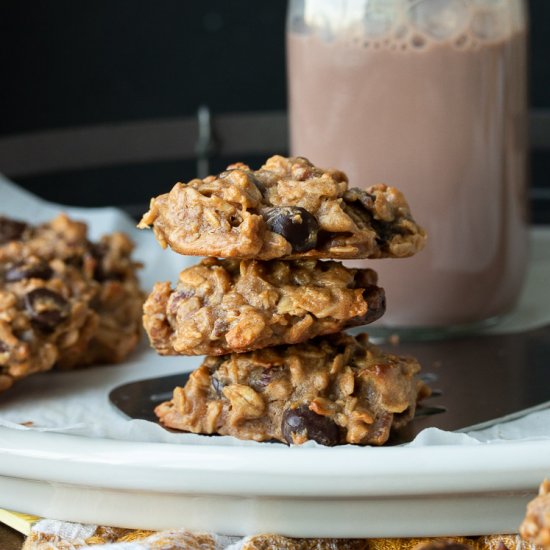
point(384, 231)
point(21, 271)
point(4, 347)
point(75, 261)
point(303, 421)
point(324, 239)
point(295, 224)
point(364, 278)
point(360, 195)
point(10, 230)
point(264, 376)
point(98, 251)
point(376, 300)
point(46, 308)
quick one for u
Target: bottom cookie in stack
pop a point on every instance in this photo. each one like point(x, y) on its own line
point(334, 389)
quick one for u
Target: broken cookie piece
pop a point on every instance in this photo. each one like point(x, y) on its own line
point(334, 390)
point(287, 209)
point(536, 525)
point(232, 306)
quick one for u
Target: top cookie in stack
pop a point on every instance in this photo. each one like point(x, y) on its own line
point(287, 209)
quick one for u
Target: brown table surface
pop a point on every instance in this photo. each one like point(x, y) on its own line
point(10, 539)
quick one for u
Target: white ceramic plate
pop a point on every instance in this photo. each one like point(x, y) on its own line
point(344, 492)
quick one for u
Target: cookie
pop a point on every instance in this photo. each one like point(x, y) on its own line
point(445, 544)
point(536, 525)
point(64, 301)
point(270, 542)
point(287, 209)
point(226, 306)
point(333, 389)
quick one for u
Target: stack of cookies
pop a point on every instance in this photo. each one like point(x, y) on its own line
point(268, 309)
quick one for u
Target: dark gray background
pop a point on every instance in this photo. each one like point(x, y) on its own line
point(71, 63)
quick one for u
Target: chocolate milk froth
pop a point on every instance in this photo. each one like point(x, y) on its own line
point(443, 121)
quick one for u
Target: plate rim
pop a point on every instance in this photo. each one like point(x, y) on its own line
point(274, 470)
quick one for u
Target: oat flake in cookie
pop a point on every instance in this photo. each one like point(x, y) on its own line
point(64, 301)
point(286, 209)
point(334, 390)
point(226, 306)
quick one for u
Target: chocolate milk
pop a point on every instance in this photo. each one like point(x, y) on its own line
point(443, 121)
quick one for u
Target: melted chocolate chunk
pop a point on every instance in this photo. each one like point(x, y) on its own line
point(75, 261)
point(46, 308)
point(303, 421)
point(376, 299)
point(365, 201)
point(360, 195)
point(364, 278)
point(98, 252)
point(10, 230)
point(295, 224)
point(21, 271)
point(383, 231)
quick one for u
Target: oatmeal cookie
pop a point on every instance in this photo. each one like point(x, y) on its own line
point(333, 389)
point(226, 306)
point(286, 209)
point(64, 301)
point(271, 541)
point(536, 525)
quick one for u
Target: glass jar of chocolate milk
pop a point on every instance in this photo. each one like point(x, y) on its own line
point(428, 96)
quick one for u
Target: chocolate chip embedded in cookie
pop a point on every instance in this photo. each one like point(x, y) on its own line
point(11, 230)
point(225, 306)
point(286, 209)
point(64, 301)
point(295, 224)
point(334, 389)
